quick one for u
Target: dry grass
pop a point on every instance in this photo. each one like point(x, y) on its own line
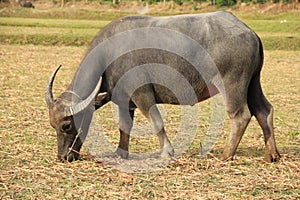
point(29, 170)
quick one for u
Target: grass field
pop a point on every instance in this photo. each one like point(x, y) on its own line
point(28, 166)
point(79, 32)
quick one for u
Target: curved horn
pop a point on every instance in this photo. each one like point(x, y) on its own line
point(76, 108)
point(49, 94)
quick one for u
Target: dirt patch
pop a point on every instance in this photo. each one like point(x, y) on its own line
point(29, 170)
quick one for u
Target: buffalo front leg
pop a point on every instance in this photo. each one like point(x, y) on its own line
point(125, 125)
point(166, 147)
point(154, 117)
point(144, 100)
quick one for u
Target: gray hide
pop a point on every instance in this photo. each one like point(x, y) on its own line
point(177, 60)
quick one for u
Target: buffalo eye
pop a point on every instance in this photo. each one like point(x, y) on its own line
point(66, 127)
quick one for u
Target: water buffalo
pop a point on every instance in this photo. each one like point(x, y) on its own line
point(25, 4)
point(140, 61)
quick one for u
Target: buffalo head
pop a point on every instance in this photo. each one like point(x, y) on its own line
point(70, 116)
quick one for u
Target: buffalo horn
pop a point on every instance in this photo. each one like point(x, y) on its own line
point(77, 108)
point(49, 94)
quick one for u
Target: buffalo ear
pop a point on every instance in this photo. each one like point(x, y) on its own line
point(101, 99)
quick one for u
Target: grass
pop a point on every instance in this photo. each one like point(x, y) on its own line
point(79, 32)
point(29, 169)
point(54, 23)
point(82, 24)
point(274, 26)
point(281, 43)
point(28, 166)
point(66, 13)
point(290, 16)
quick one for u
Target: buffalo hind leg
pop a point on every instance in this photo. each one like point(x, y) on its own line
point(263, 112)
point(125, 125)
point(265, 120)
point(239, 118)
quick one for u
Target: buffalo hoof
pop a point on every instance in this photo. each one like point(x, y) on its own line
point(167, 152)
point(122, 153)
point(69, 157)
point(225, 157)
point(272, 157)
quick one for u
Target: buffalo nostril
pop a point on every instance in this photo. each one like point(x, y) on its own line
point(68, 157)
point(62, 158)
point(72, 157)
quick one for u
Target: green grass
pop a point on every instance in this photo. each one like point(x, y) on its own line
point(49, 31)
point(289, 16)
point(53, 23)
point(281, 43)
point(50, 40)
point(66, 13)
point(275, 35)
point(274, 26)
point(13, 30)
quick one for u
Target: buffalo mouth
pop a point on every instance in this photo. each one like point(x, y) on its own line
point(69, 157)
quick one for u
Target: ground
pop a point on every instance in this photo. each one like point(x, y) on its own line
point(28, 165)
